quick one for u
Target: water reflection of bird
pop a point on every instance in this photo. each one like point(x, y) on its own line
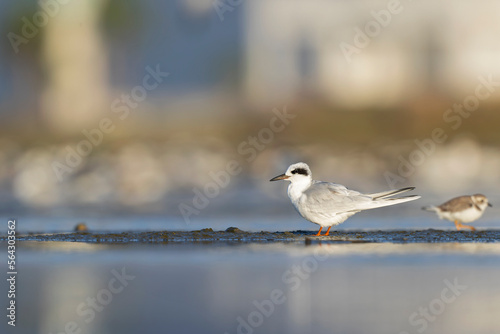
point(329, 204)
point(460, 210)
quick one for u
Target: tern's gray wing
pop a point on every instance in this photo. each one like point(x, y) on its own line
point(331, 197)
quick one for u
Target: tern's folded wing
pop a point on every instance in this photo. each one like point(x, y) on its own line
point(325, 196)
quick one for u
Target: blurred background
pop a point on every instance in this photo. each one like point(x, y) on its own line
point(116, 109)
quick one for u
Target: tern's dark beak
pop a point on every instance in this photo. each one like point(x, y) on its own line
point(489, 204)
point(280, 177)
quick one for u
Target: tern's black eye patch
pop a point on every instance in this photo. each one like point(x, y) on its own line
point(302, 171)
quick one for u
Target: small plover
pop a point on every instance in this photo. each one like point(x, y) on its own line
point(329, 204)
point(460, 210)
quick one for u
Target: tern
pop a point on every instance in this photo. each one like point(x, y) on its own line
point(329, 204)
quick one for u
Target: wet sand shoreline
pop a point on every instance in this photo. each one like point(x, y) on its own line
point(235, 235)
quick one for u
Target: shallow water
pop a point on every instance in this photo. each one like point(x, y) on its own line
point(411, 218)
point(246, 286)
point(377, 273)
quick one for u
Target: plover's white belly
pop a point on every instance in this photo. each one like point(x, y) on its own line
point(465, 216)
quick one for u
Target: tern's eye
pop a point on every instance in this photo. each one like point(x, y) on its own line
point(302, 171)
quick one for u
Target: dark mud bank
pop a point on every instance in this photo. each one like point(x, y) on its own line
point(235, 235)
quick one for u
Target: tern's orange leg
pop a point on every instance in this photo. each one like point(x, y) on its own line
point(319, 232)
point(458, 225)
point(328, 231)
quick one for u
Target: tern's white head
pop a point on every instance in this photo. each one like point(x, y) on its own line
point(298, 174)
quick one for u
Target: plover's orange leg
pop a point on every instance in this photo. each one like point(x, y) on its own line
point(472, 228)
point(319, 232)
point(461, 226)
point(328, 231)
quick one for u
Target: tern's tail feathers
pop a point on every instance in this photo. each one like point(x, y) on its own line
point(379, 203)
point(388, 193)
